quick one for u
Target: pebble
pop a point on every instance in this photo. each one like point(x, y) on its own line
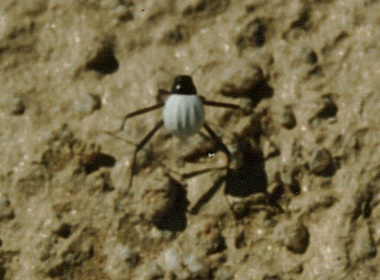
point(289, 179)
point(288, 119)
point(17, 106)
point(363, 246)
point(321, 161)
point(275, 191)
point(192, 7)
point(35, 7)
point(240, 209)
point(198, 267)
point(175, 36)
point(129, 256)
point(241, 80)
point(182, 274)
point(64, 230)
point(224, 273)
point(88, 103)
point(311, 57)
point(185, 267)
point(172, 260)
point(294, 235)
point(211, 238)
point(123, 13)
point(154, 271)
point(6, 211)
point(158, 201)
point(326, 109)
point(253, 35)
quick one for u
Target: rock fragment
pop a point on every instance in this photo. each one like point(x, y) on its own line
point(294, 235)
point(6, 210)
point(321, 162)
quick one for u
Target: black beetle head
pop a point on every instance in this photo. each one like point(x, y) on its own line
point(183, 84)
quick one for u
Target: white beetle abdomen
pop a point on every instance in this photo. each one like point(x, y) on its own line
point(183, 114)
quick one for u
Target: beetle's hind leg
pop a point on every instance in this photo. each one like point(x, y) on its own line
point(220, 145)
point(139, 146)
point(225, 150)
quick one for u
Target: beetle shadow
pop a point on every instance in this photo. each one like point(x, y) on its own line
point(248, 179)
point(251, 176)
point(174, 219)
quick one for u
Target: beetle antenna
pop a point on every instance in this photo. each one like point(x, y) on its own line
point(196, 70)
point(163, 69)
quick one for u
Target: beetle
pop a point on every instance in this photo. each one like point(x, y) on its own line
point(183, 116)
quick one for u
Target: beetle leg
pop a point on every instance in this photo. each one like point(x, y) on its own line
point(220, 144)
point(134, 114)
point(221, 104)
point(141, 145)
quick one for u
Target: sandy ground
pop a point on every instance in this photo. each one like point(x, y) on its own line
point(302, 199)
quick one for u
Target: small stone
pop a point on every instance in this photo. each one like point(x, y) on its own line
point(289, 179)
point(88, 103)
point(210, 237)
point(17, 106)
point(129, 256)
point(159, 235)
point(123, 13)
point(158, 201)
point(102, 60)
point(64, 230)
point(270, 149)
point(240, 81)
point(182, 274)
point(35, 7)
point(311, 57)
point(194, 7)
point(6, 211)
point(275, 191)
point(2, 272)
point(91, 162)
point(46, 246)
point(293, 235)
point(197, 266)
point(288, 119)
point(225, 273)
point(326, 109)
point(363, 246)
point(239, 239)
point(154, 271)
point(177, 35)
point(172, 260)
point(321, 162)
point(240, 209)
point(253, 35)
